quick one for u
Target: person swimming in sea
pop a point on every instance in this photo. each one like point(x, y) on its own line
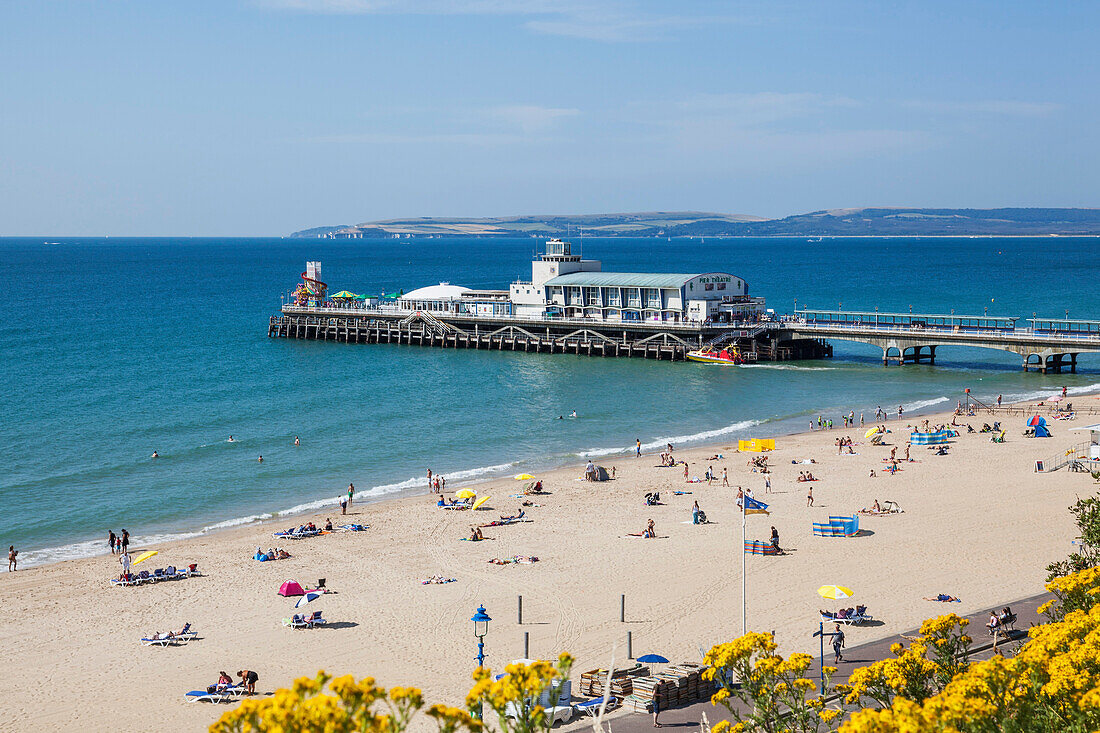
point(155, 455)
point(260, 459)
point(573, 413)
point(231, 440)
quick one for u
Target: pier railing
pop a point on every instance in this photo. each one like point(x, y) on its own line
point(872, 329)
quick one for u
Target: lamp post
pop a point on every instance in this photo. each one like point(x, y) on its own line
point(481, 627)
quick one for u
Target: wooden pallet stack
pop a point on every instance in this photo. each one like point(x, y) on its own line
point(622, 681)
point(682, 684)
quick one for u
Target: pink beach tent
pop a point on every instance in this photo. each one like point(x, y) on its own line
point(291, 588)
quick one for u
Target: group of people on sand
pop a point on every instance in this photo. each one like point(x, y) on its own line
point(437, 482)
point(668, 460)
point(759, 464)
point(804, 476)
point(273, 553)
point(248, 681)
point(476, 535)
point(844, 443)
point(119, 543)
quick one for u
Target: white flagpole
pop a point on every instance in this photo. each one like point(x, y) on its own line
point(744, 504)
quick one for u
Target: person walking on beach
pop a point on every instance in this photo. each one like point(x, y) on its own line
point(685, 470)
point(998, 400)
point(656, 704)
point(351, 493)
point(775, 539)
point(838, 644)
point(111, 540)
point(907, 451)
point(809, 496)
point(124, 543)
point(429, 478)
point(343, 505)
point(767, 484)
point(124, 560)
point(861, 419)
point(725, 477)
point(899, 412)
point(12, 561)
point(638, 448)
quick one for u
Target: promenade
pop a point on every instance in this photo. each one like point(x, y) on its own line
point(689, 717)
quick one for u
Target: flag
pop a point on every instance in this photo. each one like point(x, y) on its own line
point(752, 506)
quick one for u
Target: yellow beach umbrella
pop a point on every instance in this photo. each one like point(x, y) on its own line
point(479, 502)
point(835, 592)
point(144, 556)
point(465, 494)
point(870, 432)
point(523, 477)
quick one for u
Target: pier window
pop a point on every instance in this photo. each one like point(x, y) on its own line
point(653, 297)
point(633, 297)
point(613, 298)
point(575, 296)
point(592, 296)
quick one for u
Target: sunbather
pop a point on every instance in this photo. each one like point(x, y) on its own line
point(475, 534)
point(944, 598)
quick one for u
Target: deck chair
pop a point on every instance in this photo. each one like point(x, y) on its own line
point(160, 640)
point(592, 707)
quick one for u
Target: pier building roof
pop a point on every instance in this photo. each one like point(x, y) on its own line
point(442, 291)
point(625, 279)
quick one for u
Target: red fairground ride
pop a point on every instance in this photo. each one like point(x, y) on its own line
point(311, 291)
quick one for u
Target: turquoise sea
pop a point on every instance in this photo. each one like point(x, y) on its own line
point(115, 348)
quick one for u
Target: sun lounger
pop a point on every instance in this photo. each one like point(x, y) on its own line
point(226, 693)
point(592, 707)
point(305, 622)
point(859, 617)
point(161, 640)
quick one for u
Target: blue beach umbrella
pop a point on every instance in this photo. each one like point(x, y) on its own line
point(652, 659)
point(308, 598)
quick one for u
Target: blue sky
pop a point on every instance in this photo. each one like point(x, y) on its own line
point(258, 117)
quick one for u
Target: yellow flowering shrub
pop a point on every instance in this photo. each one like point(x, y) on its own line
point(747, 669)
point(515, 696)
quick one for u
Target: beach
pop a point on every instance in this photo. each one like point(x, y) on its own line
point(978, 523)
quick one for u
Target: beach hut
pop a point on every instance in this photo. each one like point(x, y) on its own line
point(291, 588)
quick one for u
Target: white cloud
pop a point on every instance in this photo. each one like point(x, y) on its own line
point(1013, 108)
point(612, 20)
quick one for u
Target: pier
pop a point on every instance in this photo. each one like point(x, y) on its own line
point(571, 306)
point(662, 341)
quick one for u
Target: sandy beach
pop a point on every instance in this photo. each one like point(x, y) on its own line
point(978, 523)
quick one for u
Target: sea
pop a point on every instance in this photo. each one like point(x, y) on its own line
point(116, 348)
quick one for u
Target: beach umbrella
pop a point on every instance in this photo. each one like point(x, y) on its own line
point(465, 494)
point(1036, 420)
point(482, 500)
point(870, 432)
point(523, 477)
point(143, 556)
point(309, 597)
point(652, 659)
point(835, 592)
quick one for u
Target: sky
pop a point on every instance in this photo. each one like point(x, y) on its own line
point(262, 117)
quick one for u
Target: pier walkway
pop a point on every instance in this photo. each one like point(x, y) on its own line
point(1046, 345)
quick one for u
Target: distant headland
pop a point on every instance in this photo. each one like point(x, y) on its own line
point(858, 222)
